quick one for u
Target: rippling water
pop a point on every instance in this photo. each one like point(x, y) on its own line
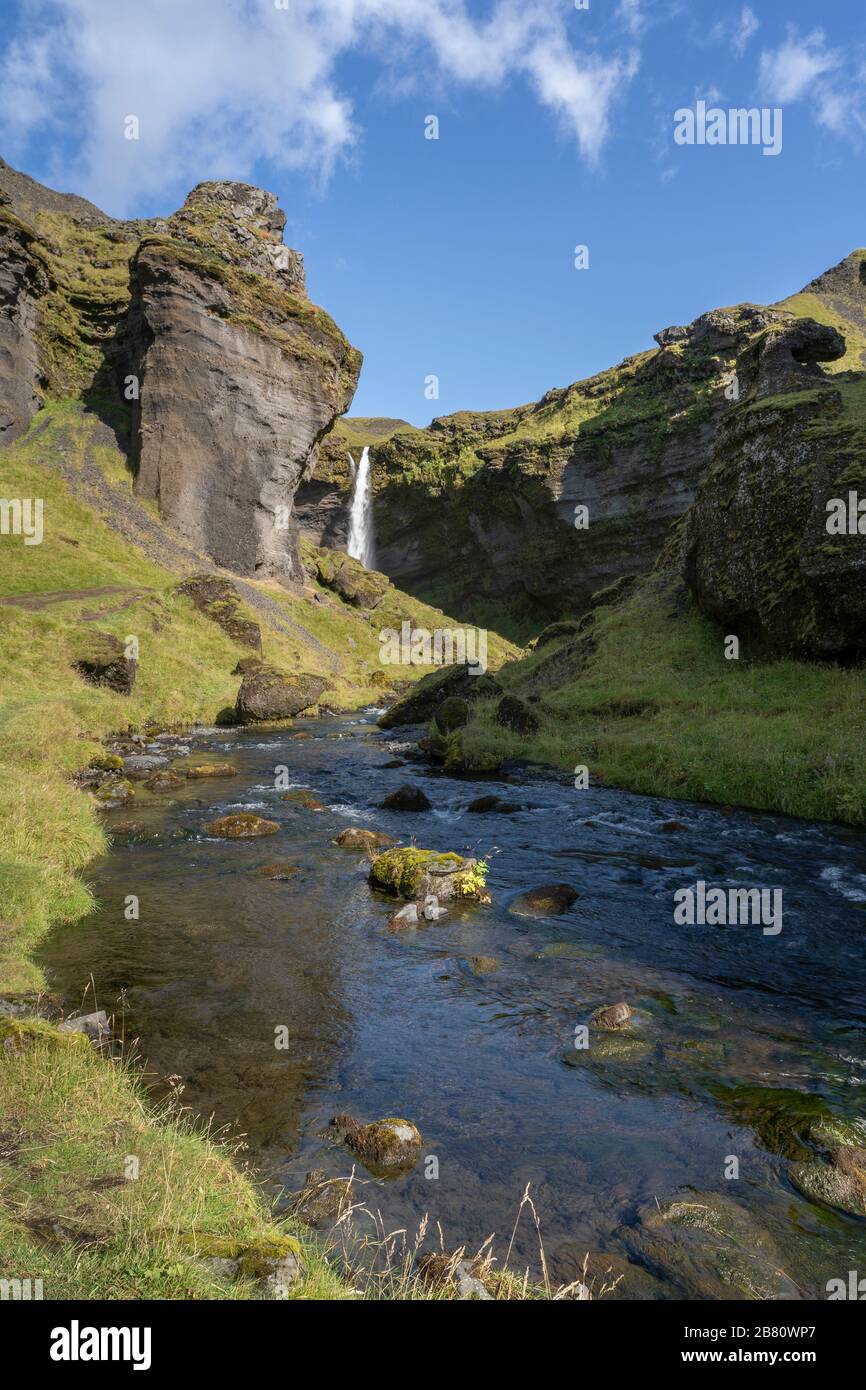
point(384, 1024)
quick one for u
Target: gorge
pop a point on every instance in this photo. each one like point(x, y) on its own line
point(206, 755)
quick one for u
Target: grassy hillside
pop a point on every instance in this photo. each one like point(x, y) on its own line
point(68, 1117)
point(643, 696)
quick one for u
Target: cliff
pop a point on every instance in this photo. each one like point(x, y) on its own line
point(477, 512)
point(202, 324)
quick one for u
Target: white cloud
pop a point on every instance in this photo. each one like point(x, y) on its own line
point(804, 69)
point(219, 84)
point(791, 70)
point(736, 31)
point(746, 29)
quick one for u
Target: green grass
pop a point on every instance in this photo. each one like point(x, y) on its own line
point(657, 709)
point(71, 1115)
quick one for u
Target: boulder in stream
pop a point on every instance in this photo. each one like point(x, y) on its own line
point(407, 798)
point(550, 900)
point(242, 826)
point(385, 1146)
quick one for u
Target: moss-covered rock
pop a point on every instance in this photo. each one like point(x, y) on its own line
point(416, 873)
point(241, 826)
point(355, 837)
point(301, 796)
point(218, 599)
point(453, 713)
point(196, 771)
point(420, 703)
point(279, 873)
point(268, 696)
point(101, 659)
point(384, 1147)
point(515, 715)
point(347, 577)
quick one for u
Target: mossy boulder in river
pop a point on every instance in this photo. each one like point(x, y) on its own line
point(419, 873)
point(267, 695)
point(322, 1199)
point(386, 1146)
point(243, 826)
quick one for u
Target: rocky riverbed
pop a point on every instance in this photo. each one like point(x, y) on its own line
point(684, 1100)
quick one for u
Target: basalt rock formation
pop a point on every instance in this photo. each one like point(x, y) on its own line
point(201, 322)
point(240, 376)
point(480, 513)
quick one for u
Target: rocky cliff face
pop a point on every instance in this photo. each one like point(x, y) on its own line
point(203, 323)
point(240, 376)
point(477, 513)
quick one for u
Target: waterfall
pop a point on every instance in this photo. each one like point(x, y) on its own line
point(360, 543)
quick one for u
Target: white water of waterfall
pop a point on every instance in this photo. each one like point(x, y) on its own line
point(360, 543)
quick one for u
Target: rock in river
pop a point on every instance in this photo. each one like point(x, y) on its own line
point(407, 798)
point(353, 837)
point(243, 826)
point(389, 1145)
point(268, 695)
point(551, 900)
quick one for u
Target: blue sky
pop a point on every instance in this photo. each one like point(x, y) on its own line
point(455, 256)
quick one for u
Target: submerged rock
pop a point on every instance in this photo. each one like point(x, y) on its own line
point(280, 873)
point(482, 965)
point(405, 919)
point(407, 798)
point(199, 770)
point(384, 1146)
point(612, 1017)
point(322, 1199)
point(242, 826)
point(839, 1183)
point(550, 900)
point(354, 837)
point(492, 805)
point(712, 1248)
point(305, 798)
